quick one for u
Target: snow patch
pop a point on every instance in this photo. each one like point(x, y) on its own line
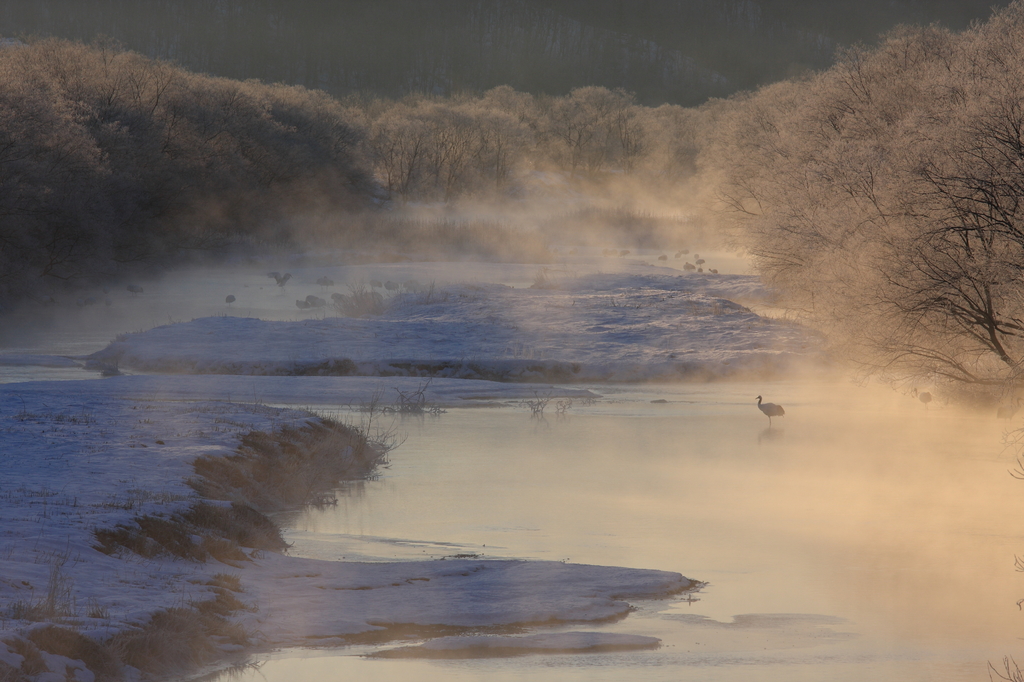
point(493, 646)
point(592, 328)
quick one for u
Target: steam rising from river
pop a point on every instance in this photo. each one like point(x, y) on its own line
point(891, 524)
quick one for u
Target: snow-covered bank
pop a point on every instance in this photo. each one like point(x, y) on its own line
point(590, 328)
point(305, 599)
point(75, 460)
point(83, 455)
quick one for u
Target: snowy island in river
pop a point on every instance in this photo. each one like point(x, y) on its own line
point(586, 328)
point(112, 519)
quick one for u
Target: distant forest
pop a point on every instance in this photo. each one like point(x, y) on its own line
point(664, 51)
point(881, 194)
point(111, 162)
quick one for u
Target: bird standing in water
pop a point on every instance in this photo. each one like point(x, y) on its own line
point(770, 410)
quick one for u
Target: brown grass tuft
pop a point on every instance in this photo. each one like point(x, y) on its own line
point(33, 663)
point(226, 581)
point(288, 468)
point(11, 674)
point(239, 523)
point(183, 639)
point(223, 531)
point(70, 643)
point(175, 640)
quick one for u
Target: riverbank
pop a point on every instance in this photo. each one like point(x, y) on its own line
point(566, 328)
point(134, 542)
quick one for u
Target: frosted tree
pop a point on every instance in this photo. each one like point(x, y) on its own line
point(582, 128)
point(109, 158)
point(398, 144)
point(883, 197)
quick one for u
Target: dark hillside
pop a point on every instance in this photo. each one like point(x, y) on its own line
point(757, 42)
point(676, 51)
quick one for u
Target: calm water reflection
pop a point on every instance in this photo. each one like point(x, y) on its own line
point(863, 537)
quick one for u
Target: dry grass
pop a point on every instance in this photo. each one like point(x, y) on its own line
point(179, 640)
point(1011, 671)
point(239, 524)
point(288, 468)
point(538, 404)
point(57, 603)
point(227, 581)
point(203, 531)
point(182, 639)
point(11, 674)
point(71, 644)
point(33, 662)
point(174, 641)
point(361, 301)
point(409, 402)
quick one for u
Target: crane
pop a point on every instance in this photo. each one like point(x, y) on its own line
point(770, 410)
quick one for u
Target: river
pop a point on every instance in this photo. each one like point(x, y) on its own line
point(864, 536)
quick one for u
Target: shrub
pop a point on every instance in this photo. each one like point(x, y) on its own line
point(288, 468)
point(72, 644)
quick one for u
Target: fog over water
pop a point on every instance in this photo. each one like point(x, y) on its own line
point(864, 536)
point(70, 328)
point(447, 208)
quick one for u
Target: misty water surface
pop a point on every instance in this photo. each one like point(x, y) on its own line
point(864, 537)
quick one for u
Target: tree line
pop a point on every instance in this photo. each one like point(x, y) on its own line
point(885, 197)
point(109, 159)
point(441, 149)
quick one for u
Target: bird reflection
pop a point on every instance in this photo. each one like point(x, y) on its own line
point(770, 434)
